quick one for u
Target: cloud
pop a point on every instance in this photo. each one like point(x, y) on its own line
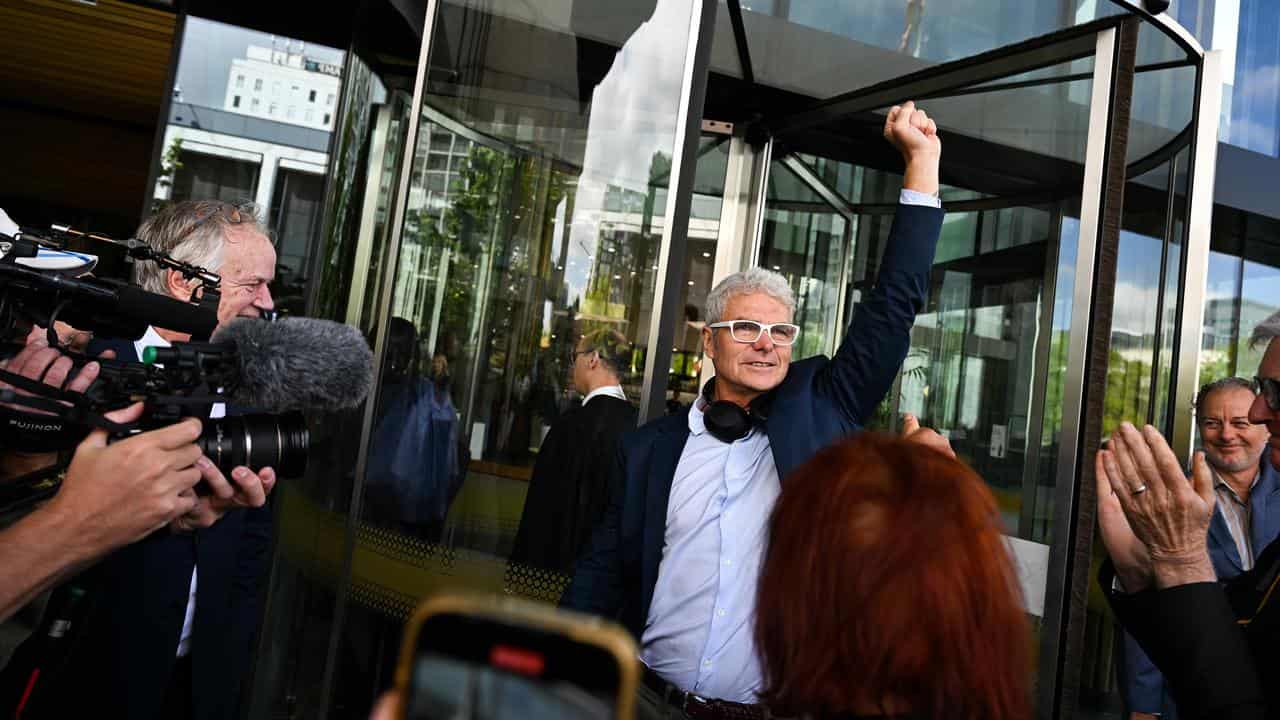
point(633, 116)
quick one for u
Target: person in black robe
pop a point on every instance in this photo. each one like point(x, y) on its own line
point(570, 483)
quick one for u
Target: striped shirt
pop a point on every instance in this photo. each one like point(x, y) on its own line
point(1238, 516)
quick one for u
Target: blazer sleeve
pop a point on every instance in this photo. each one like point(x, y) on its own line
point(1191, 635)
point(1143, 685)
point(252, 566)
point(876, 343)
point(596, 587)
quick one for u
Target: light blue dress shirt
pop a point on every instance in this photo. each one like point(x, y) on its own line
point(700, 633)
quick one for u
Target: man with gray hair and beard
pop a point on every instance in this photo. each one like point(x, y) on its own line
point(174, 615)
point(1246, 518)
point(677, 555)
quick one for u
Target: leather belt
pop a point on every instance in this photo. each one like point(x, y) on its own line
point(700, 708)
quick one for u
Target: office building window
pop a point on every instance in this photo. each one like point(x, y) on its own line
point(253, 104)
point(239, 81)
point(312, 96)
point(329, 100)
point(296, 203)
point(272, 110)
point(257, 84)
point(235, 101)
point(202, 176)
point(309, 115)
point(326, 118)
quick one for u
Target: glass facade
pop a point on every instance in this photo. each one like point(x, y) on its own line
point(1245, 31)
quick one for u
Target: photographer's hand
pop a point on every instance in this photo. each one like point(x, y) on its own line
point(38, 361)
point(112, 495)
point(251, 490)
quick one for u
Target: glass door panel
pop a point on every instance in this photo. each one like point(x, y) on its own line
point(807, 241)
point(304, 600)
point(987, 361)
point(534, 218)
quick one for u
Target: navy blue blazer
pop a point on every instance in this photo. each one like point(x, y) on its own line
point(820, 401)
point(1144, 686)
point(121, 668)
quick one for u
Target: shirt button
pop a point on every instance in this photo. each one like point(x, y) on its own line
point(728, 562)
point(720, 612)
point(706, 663)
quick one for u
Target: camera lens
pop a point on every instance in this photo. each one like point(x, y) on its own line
point(257, 441)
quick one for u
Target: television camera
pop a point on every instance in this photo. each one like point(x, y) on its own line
point(276, 367)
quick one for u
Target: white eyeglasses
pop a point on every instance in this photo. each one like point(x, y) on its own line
point(749, 331)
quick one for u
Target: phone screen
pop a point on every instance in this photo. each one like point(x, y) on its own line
point(470, 667)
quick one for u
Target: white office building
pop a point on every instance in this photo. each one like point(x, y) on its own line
point(281, 83)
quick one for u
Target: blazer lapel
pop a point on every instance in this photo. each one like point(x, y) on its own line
point(667, 448)
point(1265, 520)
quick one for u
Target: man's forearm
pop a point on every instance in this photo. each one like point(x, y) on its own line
point(36, 553)
point(921, 175)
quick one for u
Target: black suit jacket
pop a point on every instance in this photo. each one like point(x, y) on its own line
point(569, 488)
point(820, 401)
point(120, 667)
point(1213, 663)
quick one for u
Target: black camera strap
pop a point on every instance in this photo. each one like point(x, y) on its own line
point(68, 415)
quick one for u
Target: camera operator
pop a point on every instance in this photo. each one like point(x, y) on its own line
point(86, 519)
point(174, 615)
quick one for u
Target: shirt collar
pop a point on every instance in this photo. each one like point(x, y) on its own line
point(150, 339)
point(1218, 482)
point(613, 391)
point(697, 425)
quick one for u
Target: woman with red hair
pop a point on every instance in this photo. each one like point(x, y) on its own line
point(888, 591)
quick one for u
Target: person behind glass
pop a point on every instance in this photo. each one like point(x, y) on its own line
point(569, 485)
point(676, 557)
point(413, 470)
point(1217, 644)
point(1246, 517)
point(887, 590)
point(174, 616)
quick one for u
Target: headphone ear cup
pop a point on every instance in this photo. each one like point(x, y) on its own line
point(726, 421)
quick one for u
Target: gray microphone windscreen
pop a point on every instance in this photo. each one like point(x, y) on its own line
point(298, 364)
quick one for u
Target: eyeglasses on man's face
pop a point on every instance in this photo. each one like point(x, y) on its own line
point(749, 331)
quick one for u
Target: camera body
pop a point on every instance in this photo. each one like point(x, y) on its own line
point(186, 380)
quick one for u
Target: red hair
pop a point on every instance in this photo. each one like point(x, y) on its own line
point(887, 579)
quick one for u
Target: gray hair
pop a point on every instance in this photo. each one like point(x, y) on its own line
point(1266, 330)
point(170, 231)
point(751, 280)
point(1222, 384)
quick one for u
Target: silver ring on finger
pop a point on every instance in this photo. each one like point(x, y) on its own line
point(1140, 489)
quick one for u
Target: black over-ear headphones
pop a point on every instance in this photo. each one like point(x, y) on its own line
point(728, 421)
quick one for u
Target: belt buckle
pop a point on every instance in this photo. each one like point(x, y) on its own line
point(685, 697)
